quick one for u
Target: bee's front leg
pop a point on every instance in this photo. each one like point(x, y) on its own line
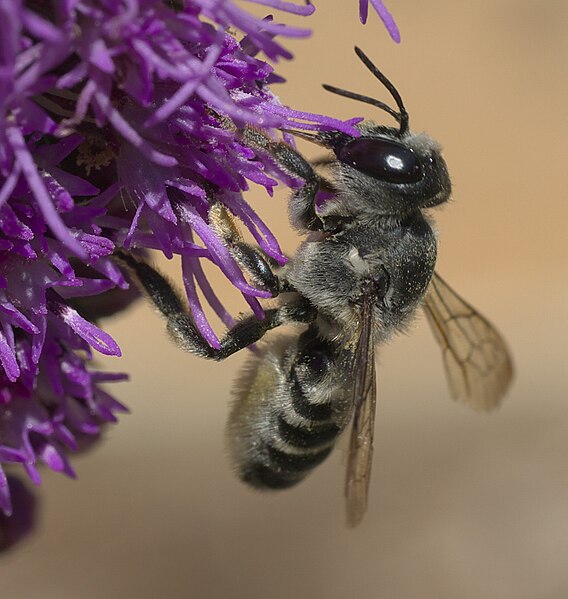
point(302, 206)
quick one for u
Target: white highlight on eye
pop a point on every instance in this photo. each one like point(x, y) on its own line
point(395, 163)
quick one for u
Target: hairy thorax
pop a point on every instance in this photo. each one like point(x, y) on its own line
point(398, 257)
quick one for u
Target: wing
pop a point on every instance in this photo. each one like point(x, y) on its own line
point(478, 364)
point(360, 455)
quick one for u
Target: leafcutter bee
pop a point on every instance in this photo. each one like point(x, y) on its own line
point(364, 268)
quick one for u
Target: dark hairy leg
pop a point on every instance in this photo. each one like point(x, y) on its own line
point(182, 328)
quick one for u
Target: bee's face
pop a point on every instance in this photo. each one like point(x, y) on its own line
point(390, 173)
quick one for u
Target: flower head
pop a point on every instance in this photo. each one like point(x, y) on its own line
point(119, 128)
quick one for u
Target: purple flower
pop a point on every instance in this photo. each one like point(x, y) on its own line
point(383, 13)
point(119, 127)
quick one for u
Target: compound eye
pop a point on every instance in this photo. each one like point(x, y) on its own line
point(381, 158)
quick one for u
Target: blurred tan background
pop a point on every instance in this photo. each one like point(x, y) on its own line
point(462, 506)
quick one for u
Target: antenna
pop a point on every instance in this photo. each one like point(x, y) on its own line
point(361, 98)
point(401, 116)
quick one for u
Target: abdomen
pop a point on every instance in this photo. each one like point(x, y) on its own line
point(291, 405)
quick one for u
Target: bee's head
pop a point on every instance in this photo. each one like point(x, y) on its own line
point(390, 169)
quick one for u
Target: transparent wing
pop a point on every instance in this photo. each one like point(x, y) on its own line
point(360, 456)
point(477, 362)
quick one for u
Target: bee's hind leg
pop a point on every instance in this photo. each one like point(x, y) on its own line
point(182, 328)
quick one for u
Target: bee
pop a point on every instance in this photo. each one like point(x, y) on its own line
point(364, 268)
